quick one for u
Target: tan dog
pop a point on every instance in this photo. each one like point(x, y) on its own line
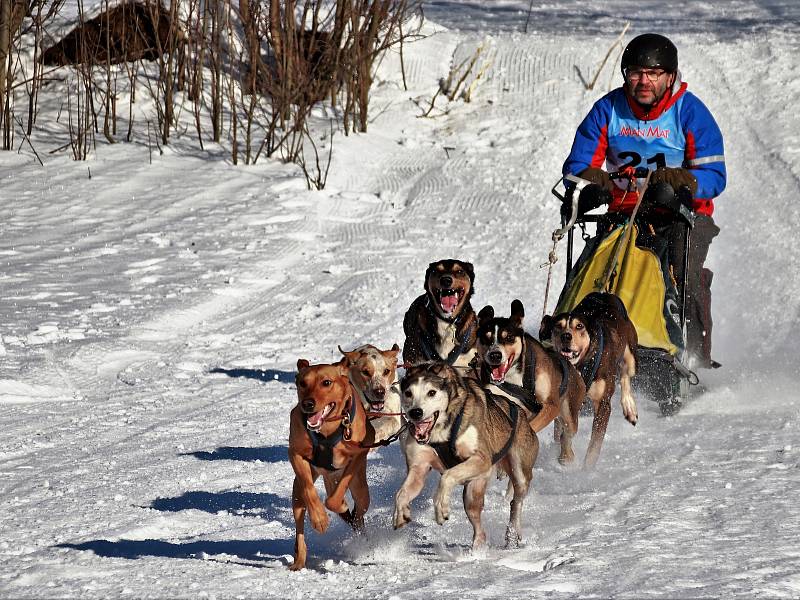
point(512, 363)
point(600, 340)
point(455, 427)
point(373, 373)
point(440, 324)
point(326, 431)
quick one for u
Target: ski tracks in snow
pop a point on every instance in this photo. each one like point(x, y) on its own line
point(172, 440)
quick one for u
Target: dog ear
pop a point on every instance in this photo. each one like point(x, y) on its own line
point(343, 367)
point(470, 270)
point(546, 327)
point(517, 313)
point(452, 381)
point(302, 363)
point(428, 272)
point(486, 315)
point(392, 352)
point(350, 356)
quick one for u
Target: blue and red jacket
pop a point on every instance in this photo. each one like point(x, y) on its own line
point(678, 132)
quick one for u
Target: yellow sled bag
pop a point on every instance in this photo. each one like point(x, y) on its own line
point(639, 275)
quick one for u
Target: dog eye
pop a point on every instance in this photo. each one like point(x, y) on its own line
point(579, 326)
point(407, 393)
point(327, 383)
point(431, 393)
point(365, 373)
point(385, 372)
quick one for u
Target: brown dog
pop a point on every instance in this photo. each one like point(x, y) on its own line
point(600, 340)
point(512, 363)
point(326, 431)
point(464, 433)
point(441, 324)
point(373, 373)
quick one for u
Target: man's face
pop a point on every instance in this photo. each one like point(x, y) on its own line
point(648, 85)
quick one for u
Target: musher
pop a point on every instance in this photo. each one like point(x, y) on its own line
point(652, 121)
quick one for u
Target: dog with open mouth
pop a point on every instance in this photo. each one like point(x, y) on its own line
point(599, 338)
point(329, 435)
point(373, 373)
point(465, 433)
point(512, 363)
point(441, 324)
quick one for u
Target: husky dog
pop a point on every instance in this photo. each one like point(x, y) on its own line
point(373, 373)
point(440, 324)
point(513, 363)
point(329, 435)
point(598, 337)
point(455, 427)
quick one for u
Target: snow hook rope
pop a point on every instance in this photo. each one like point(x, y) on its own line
point(552, 258)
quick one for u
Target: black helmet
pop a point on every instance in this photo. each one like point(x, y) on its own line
point(650, 50)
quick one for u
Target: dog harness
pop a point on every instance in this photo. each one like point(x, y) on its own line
point(447, 450)
point(430, 352)
point(526, 393)
point(322, 456)
point(589, 375)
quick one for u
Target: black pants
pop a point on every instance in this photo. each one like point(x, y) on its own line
point(698, 281)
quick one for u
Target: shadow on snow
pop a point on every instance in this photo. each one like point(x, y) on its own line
point(258, 374)
point(264, 505)
point(268, 454)
point(251, 550)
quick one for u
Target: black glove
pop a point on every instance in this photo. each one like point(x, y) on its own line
point(591, 197)
point(599, 177)
point(675, 177)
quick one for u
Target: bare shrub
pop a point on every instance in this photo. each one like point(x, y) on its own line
point(247, 79)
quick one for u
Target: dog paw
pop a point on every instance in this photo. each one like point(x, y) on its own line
point(513, 539)
point(297, 565)
point(629, 411)
point(319, 520)
point(478, 541)
point(442, 512)
point(402, 515)
point(566, 458)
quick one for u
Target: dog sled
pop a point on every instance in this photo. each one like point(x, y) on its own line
point(625, 256)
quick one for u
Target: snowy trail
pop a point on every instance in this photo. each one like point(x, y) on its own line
point(171, 328)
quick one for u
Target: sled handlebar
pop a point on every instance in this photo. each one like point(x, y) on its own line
point(577, 184)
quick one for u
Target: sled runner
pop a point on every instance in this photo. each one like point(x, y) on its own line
point(627, 257)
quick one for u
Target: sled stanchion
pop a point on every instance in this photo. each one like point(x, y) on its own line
point(567, 224)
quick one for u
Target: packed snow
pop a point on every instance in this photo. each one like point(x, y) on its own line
point(151, 317)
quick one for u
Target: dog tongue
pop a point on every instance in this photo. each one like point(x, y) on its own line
point(421, 429)
point(449, 303)
point(499, 372)
point(315, 420)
